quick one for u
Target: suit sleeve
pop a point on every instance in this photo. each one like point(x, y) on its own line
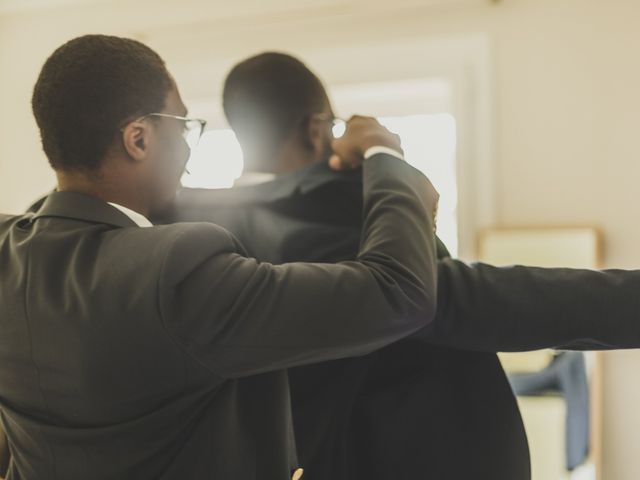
point(239, 317)
point(487, 308)
point(5, 456)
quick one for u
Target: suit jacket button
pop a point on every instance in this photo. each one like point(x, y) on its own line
point(297, 474)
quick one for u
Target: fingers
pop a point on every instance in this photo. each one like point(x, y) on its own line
point(361, 133)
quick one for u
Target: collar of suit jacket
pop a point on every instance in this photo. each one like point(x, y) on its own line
point(82, 207)
point(283, 186)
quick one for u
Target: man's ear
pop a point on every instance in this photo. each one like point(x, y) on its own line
point(315, 136)
point(135, 138)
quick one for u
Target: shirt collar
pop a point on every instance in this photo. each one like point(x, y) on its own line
point(135, 217)
point(254, 178)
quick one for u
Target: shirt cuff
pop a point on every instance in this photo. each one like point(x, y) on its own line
point(371, 151)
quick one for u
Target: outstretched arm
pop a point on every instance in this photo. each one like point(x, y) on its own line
point(487, 308)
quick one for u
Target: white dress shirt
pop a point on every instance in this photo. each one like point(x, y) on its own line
point(135, 217)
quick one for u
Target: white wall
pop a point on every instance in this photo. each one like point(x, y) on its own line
point(567, 104)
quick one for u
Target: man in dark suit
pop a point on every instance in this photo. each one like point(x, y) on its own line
point(437, 404)
point(129, 351)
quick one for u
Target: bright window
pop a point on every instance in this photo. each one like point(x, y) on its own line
point(429, 143)
point(216, 162)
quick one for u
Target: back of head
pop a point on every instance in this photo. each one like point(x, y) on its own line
point(87, 89)
point(267, 98)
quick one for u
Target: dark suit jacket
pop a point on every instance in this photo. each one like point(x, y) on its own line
point(158, 353)
point(4, 454)
point(435, 405)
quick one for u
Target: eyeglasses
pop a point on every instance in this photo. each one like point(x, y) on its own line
point(192, 130)
point(338, 125)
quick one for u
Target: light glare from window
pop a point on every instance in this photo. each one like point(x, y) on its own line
point(216, 162)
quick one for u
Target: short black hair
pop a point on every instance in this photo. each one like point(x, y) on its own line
point(267, 96)
point(87, 89)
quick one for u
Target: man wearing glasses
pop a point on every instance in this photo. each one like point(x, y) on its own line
point(136, 352)
point(436, 404)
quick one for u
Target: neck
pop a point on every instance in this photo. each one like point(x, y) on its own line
point(99, 185)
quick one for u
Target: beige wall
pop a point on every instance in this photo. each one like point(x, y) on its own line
point(567, 104)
